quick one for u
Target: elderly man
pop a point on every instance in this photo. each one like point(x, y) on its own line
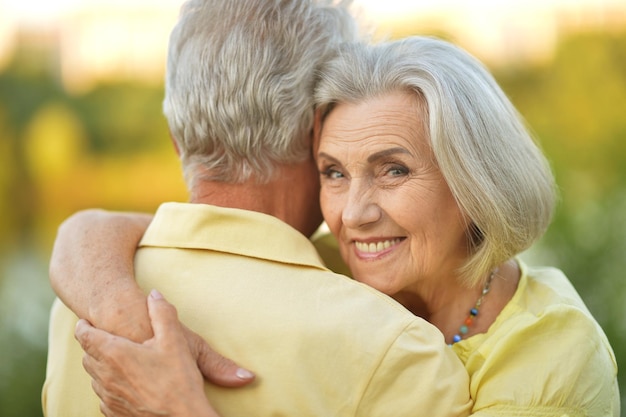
point(236, 261)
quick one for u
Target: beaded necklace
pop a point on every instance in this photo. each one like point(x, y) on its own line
point(473, 311)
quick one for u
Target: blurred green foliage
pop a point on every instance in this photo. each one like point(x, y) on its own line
point(110, 148)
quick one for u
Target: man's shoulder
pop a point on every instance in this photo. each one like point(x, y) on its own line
point(229, 230)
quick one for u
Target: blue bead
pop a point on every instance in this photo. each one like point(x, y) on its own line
point(474, 312)
point(456, 338)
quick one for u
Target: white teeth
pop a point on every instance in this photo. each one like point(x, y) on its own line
point(375, 247)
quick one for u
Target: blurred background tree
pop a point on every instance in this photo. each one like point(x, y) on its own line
point(108, 146)
point(59, 153)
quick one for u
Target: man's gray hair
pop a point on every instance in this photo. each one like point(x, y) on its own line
point(240, 81)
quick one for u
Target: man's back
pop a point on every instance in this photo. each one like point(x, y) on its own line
point(320, 343)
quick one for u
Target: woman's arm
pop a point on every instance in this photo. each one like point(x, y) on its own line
point(91, 270)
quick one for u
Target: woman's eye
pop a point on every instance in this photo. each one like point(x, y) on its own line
point(397, 171)
point(331, 173)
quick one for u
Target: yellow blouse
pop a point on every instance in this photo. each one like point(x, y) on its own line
point(545, 355)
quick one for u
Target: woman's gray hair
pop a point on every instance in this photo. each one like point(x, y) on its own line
point(497, 174)
point(240, 81)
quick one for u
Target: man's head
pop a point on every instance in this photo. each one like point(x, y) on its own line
point(240, 80)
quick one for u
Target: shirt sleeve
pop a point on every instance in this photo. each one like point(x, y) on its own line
point(419, 375)
point(555, 364)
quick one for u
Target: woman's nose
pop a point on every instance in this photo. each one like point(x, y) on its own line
point(361, 206)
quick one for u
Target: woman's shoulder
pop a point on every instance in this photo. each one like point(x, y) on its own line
point(546, 335)
point(543, 287)
point(547, 304)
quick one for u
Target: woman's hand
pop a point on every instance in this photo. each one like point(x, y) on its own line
point(159, 377)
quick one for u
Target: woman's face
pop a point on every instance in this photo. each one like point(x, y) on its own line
point(384, 198)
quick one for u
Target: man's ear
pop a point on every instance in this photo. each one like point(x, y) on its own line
point(174, 143)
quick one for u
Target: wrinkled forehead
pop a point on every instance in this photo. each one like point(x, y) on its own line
point(399, 112)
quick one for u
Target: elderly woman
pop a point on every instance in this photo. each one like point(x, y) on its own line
point(432, 186)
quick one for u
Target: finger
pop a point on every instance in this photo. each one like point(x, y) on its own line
point(104, 407)
point(220, 370)
point(89, 364)
point(106, 411)
point(97, 389)
point(90, 338)
point(95, 370)
point(213, 366)
point(164, 317)
point(110, 405)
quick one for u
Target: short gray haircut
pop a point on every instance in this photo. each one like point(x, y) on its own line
point(499, 177)
point(240, 82)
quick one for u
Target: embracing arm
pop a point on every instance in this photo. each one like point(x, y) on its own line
point(91, 270)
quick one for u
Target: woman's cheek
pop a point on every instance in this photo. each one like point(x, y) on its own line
point(331, 209)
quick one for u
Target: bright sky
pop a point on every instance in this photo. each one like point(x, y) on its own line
point(38, 10)
point(493, 29)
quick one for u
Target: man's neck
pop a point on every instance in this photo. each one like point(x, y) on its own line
point(250, 195)
point(292, 196)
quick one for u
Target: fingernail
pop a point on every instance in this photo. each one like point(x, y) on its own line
point(244, 374)
point(156, 295)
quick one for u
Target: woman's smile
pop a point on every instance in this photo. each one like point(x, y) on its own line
point(375, 248)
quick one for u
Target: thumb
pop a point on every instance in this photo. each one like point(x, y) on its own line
point(220, 370)
point(163, 317)
point(215, 367)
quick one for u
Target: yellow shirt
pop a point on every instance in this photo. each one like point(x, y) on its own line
point(322, 344)
point(544, 355)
